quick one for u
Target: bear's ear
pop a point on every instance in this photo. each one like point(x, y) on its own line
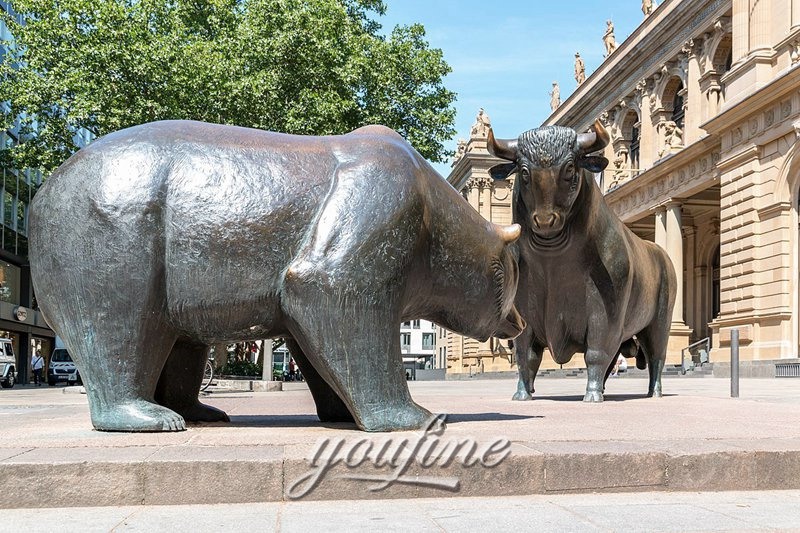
point(501, 171)
point(593, 163)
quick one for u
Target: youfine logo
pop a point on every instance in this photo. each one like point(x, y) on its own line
point(427, 450)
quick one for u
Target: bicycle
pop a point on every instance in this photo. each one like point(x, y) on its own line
point(208, 376)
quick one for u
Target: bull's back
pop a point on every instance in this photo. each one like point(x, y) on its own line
point(653, 279)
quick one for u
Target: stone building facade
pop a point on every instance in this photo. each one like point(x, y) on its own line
point(702, 102)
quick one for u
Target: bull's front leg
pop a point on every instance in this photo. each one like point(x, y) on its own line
point(597, 362)
point(528, 355)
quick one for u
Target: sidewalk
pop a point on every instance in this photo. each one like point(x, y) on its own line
point(680, 512)
point(696, 438)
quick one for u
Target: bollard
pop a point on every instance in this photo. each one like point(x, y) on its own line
point(734, 363)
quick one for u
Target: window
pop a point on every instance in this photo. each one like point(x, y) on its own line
point(677, 107)
point(405, 341)
point(416, 324)
point(428, 341)
point(9, 283)
point(634, 151)
point(406, 324)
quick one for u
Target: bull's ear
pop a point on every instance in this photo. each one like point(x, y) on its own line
point(501, 171)
point(594, 163)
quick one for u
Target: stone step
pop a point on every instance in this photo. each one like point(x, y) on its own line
point(210, 475)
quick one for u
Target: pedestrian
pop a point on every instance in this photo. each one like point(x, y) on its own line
point(620, 366)
point(292, 369)
point(37, 363)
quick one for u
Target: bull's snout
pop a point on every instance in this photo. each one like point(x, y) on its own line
point(512, 325)
point(544, 222)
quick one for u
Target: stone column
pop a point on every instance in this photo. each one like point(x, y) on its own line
point(795, 17)
point(702, 303)
point(691, 129)
point(269, 360)
point(661, 227)
point(474, 194)
point(487, 198)
point(643, 97)
point(675, 250)
point(691, 288)
point(760, 25)
point(741, 31)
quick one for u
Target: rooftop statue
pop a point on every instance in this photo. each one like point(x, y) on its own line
point(608, 38)
point(461, 149)
point(555, 97)
point(178, 235)
point(481, 127)
point(580, 69)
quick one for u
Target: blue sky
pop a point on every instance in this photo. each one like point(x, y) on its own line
point(506, 54)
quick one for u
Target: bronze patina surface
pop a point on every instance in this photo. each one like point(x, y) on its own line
point(157, 241)
point(587, 283)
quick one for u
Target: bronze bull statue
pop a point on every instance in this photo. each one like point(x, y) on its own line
point(587, 283)
point(155, 242)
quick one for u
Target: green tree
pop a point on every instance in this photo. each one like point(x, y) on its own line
point(296, 66)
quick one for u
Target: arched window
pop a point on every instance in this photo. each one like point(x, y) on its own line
point(634, 151)
point(677, 107)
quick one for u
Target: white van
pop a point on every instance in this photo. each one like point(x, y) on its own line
point(8, 364)
point(62, 368)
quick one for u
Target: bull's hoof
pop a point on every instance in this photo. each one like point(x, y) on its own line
point(201, 412)
point(521, 396)
point(593, 396)
point(138, 415)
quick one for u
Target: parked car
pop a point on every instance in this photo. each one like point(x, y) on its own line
point(8, 364)
point(62, 368)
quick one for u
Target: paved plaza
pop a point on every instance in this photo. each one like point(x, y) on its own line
point(694, 439)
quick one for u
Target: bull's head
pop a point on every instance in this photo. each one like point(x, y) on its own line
point(549, 163)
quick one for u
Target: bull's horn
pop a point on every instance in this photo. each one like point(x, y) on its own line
point(596, 139)
point(508, 233)
point(502, 148)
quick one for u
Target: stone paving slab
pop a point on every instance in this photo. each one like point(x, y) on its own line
point(684, 512)
point(695, 438)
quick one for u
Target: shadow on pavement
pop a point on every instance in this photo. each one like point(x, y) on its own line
point(487, 417)
point(606, 397)
point(277, 421)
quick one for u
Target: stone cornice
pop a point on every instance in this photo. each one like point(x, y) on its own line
point(666, 166)
point(767, 95)
point(470, 164)
point(774, 210)
point(657, 39)
point(677, 176)
point(739, 158)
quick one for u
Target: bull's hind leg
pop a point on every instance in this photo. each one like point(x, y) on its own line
point(179, 385)
point(653, 341)
point(529, 357)
point(330, 408)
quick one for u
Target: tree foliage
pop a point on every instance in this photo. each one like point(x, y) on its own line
point(297, 66)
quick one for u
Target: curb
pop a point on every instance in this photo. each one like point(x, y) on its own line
point(172, 475)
